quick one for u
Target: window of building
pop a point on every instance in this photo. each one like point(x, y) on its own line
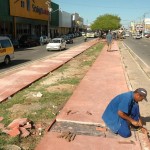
point(22, 4)
point(28, 5)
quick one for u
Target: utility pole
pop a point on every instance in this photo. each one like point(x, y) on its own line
point(49, 10)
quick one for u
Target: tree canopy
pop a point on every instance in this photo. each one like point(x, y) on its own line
point(106, 22)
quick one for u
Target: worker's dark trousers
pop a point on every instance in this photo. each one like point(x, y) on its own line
point(124, 129)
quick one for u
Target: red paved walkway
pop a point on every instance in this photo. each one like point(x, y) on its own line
point(103, 81)
point(28, 74)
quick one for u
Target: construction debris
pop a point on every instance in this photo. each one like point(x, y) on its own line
point(39, 94)
point(68, 112)
point(89, 113)
point(101, 129)
point(71, 112)
point(126, 142)
point(22, 127)
point(69, 136)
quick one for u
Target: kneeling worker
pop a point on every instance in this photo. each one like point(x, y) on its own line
point(123, 111)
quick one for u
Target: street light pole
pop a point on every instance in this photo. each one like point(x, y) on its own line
point(49, 10)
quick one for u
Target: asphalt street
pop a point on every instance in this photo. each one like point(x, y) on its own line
point(140, 47)
point(27, 55)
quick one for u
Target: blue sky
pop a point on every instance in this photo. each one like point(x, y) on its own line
point(127, 10)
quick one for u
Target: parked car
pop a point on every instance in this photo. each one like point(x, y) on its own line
point(83, 33)
point(68, 40)
point(29, 40)
point(6, 50)
point(56, 44)
point(147, 35)
point(127, 34)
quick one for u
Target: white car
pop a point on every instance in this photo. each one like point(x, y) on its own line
point(56, 44)
point(138, 36)
point(127, 34)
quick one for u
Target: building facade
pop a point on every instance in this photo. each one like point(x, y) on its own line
point(146, 25)
point(19, 17)
point(65, 22)
point(77, 22)
point(54, 21)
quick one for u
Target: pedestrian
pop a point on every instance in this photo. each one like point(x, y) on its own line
point(109, 39)
point(85, 38)
point(123, 112)
point(41, 40)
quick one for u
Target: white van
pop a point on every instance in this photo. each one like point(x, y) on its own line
point(6, 50)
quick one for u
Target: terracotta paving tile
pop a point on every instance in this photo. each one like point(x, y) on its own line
point(18, 122)
point(13, 132)
point(24, 132)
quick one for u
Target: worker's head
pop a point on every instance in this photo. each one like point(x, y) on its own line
point(140, 94)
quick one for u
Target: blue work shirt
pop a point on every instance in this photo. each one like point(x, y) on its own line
point(122, 102)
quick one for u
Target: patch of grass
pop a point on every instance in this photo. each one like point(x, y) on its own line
point(63, 68)
point(55, 98)
point(44, 113)
point(12, 140)
point(72, 81)
point(87, 63)
point(94, 50)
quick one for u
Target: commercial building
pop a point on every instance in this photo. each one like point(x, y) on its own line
point(19, 17)
point(77, 22)
point(65, 22)
point(54, 20)
point(146, 25)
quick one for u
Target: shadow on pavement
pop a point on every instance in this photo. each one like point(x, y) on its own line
point(13, 63)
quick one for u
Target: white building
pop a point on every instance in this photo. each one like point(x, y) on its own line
point(65, 22)
point(146, 25)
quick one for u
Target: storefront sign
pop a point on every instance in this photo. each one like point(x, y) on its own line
point(39, 10)
point(34, 9)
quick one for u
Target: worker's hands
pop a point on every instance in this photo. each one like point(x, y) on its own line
point(136, 123)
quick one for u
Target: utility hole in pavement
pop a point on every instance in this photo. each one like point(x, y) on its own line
point(81, 129)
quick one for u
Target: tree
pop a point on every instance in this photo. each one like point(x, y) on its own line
point(106, 22)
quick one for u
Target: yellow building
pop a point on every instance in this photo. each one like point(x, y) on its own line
point(23, 17)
